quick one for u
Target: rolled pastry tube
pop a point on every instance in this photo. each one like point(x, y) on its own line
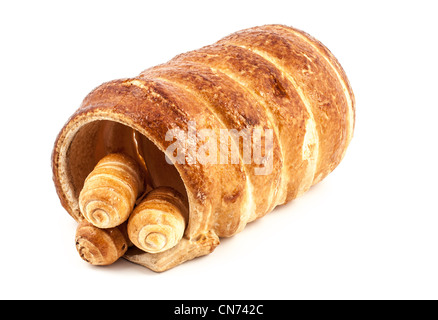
point(272, 78)
point(101, 246)
point(110, 191)
point(158, 222)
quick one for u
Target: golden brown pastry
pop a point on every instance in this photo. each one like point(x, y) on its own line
point(101, 246)
point(110, 191)
point(272, 79)
point(158, 222)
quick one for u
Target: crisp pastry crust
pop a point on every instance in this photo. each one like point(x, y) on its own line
point(269, 77)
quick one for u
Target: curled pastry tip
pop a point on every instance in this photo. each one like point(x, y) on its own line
point(158, 222)
point(100, 246)
point(110, 191)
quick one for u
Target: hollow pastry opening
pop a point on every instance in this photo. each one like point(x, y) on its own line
point(96, 139)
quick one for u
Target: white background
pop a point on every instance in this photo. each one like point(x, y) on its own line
point(368, 231)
